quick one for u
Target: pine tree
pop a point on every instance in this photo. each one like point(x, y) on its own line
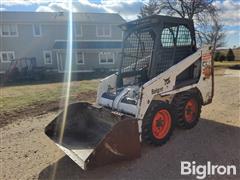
point(217, 56)
point(230, 55)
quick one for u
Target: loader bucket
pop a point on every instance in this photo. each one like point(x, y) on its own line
point(95, 136)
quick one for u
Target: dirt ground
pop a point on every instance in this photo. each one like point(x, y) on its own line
point(40, 108)
point(26, 153)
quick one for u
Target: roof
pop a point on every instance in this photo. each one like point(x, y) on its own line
point(222, 48)
point(29, 17)
point(89, 45)
point(155, 19)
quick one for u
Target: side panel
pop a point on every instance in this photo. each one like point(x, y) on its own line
point(164, 84)
point(206, 83)
point(105, 84)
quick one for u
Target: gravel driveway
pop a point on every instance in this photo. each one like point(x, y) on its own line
point(26, 153)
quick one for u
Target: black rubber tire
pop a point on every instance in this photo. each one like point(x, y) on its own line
point(147, 134)
point(179, 103)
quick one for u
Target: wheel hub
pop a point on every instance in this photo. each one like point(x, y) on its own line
point(161, 124)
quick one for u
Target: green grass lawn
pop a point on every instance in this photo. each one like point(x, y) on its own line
point(22, 96)
point(13, 98)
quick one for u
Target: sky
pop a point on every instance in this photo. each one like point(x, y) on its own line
point(128, 9)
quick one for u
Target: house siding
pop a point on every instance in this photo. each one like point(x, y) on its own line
point(91, 60)
point(26, 45)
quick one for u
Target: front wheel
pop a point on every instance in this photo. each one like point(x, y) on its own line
point(158, 124)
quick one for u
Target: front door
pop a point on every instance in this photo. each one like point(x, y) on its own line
point(61, 60)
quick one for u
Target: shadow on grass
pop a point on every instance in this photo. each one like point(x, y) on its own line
point(58, 79)
point(235, 67)
point(208, 141)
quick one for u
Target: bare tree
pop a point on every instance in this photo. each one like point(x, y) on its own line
point(189, 9)
point(201, 11)
point(184, 8)
point(212, 34)
point(151, 8)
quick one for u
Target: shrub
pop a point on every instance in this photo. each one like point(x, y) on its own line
point(217, 56)
point(230, 55)
point(222, 58)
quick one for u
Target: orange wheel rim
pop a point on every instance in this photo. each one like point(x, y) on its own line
point(161, 124)
point(190, 110)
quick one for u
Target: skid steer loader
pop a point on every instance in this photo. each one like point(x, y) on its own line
point(163, 80)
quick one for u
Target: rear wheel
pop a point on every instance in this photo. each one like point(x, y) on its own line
point(187, 108)
point(158, 124)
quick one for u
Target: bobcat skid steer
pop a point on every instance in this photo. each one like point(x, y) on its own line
point(163, 80)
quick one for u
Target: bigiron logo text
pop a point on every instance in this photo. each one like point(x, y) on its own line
point(201, 171)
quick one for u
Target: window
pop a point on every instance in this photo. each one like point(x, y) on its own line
point(7, 56)
point(37, 30)
point(78, 30)
point(176, 35)
point(168, 35)
point(47, 57)
point(103, 30)
point(8, 30)
point(79, 58)
point(184, 36)
point(106, 58)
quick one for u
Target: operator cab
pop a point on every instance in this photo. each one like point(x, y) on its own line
point(151, 45)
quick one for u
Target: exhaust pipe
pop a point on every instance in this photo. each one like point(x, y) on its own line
point(95, 136)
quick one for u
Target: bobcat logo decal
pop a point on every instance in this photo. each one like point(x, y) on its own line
point(167, 81)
